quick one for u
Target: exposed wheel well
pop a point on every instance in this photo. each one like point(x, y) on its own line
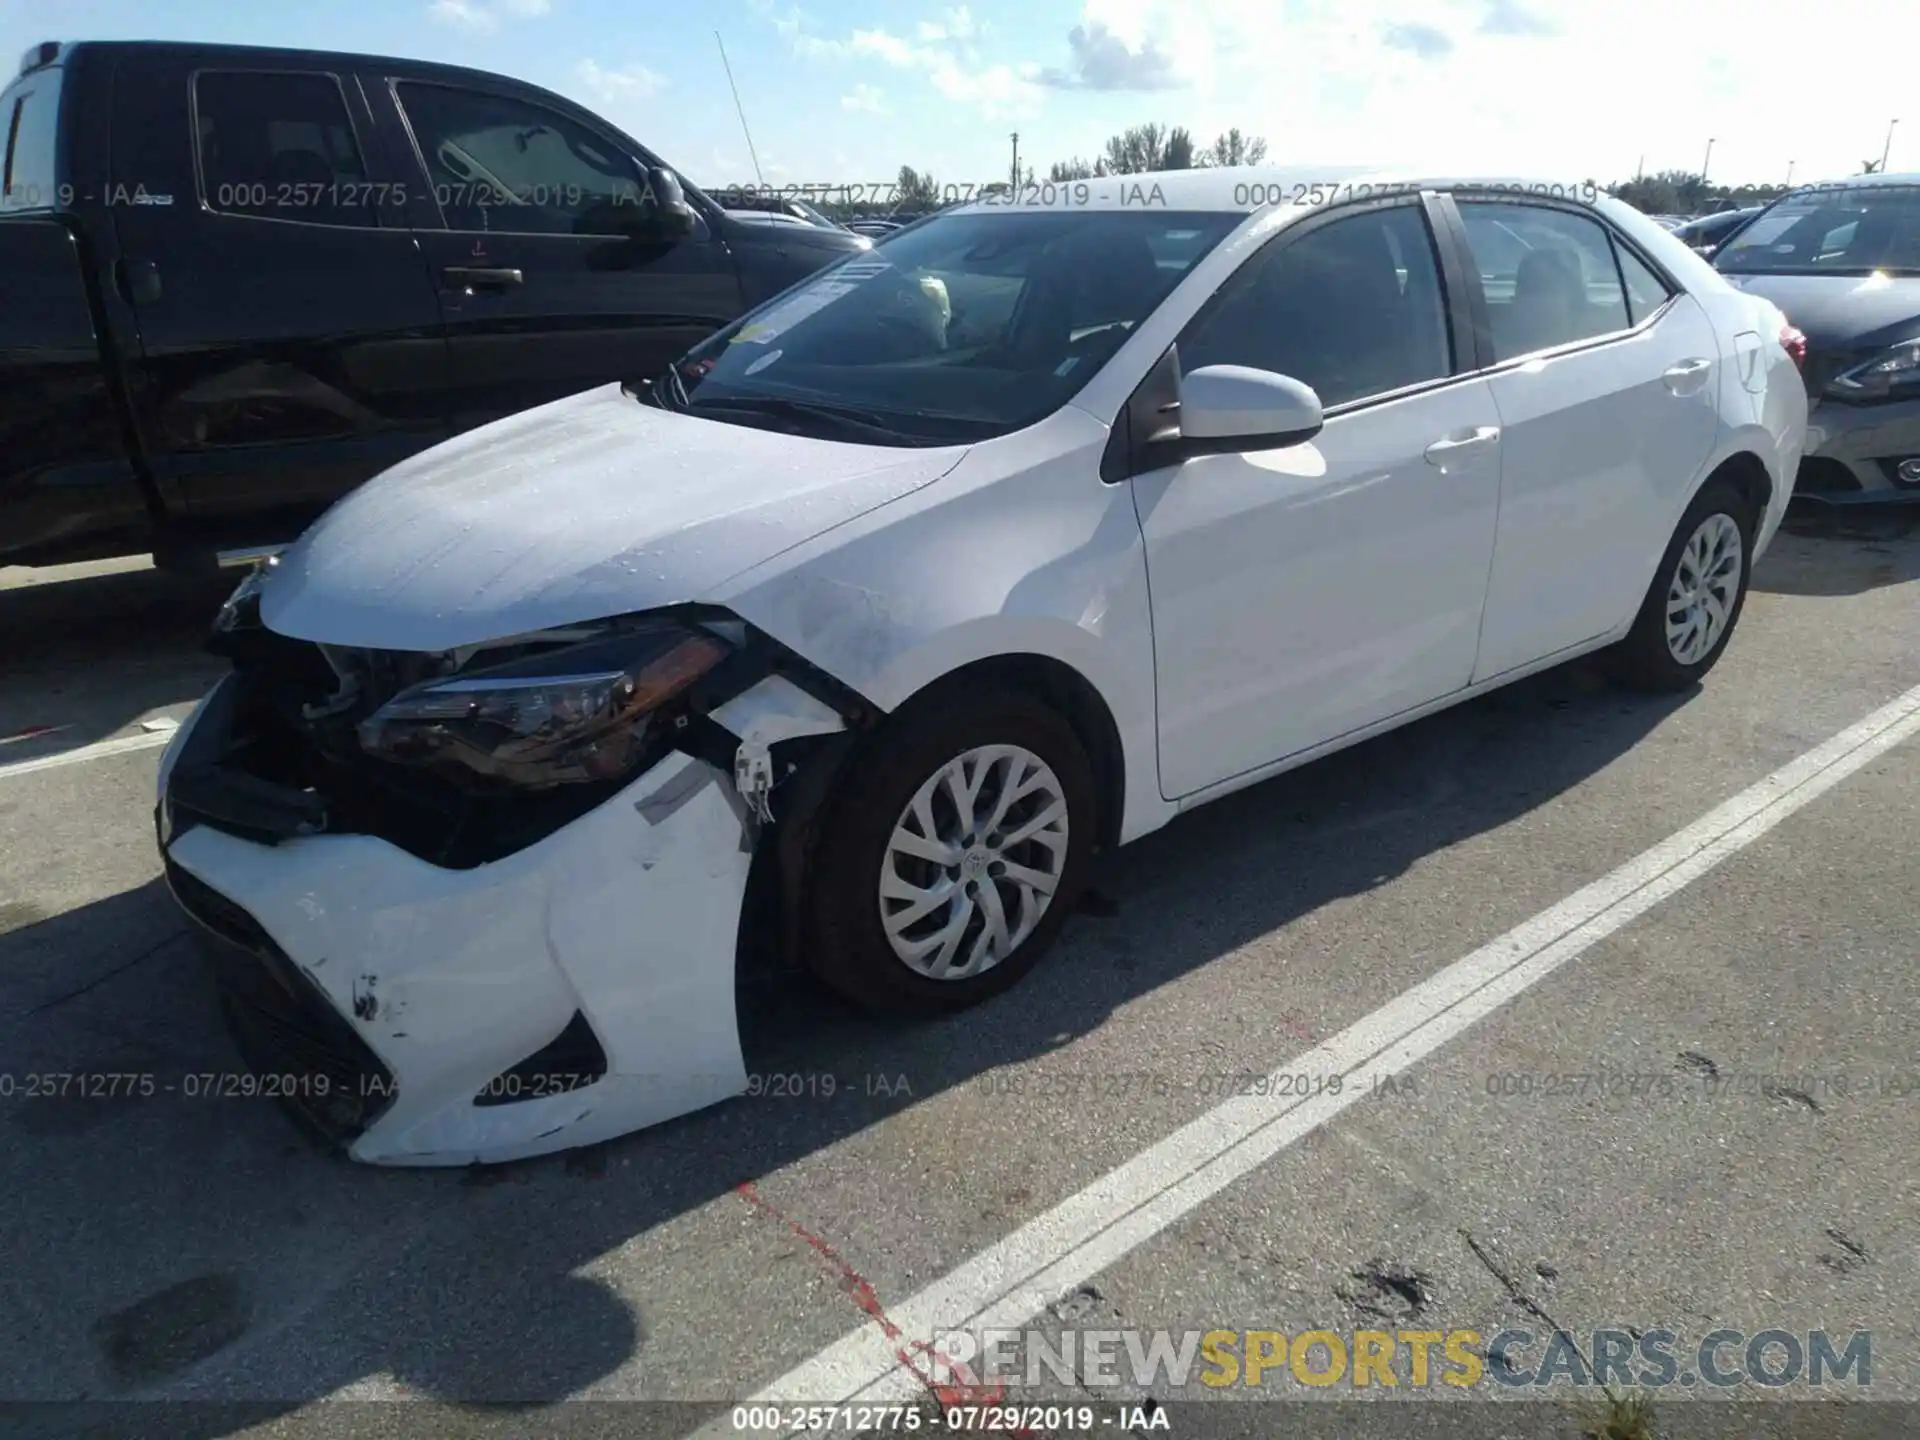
point(1749, 475)
point(1070, 693)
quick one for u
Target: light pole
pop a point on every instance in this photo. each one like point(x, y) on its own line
point(1016, 162)
point(1790, 174)
point(1706, 162)
point(1887, 149)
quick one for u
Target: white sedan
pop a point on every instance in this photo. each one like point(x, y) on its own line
point(894, 602)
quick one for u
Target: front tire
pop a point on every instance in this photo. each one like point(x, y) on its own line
point(954, 854)
point(1696, 597)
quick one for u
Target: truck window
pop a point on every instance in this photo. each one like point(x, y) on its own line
point(31, 112)
point(507, 166)
point(279, 147)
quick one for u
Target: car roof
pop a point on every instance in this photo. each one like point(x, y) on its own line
point(1858, 182)
point(1244, 188)
point(267, 54)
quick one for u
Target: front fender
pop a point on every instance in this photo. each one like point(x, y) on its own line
point(1021, 550)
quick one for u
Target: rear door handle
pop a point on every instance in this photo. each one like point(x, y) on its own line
point(1452, 447)
point(1685, 378)
point(482, 277)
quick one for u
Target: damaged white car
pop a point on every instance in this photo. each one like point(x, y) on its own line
point(906, 594)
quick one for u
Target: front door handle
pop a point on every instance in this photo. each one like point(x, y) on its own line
point(138, 281)
point(482, 277)
point(1687, 376)
point(1461, 444)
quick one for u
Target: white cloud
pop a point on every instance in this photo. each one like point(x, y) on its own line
point(956, 24)
point(613, 87)
point(944, 53)
point(1135, 45)
point(1560, 89)
point(890, 48)
point(480, 17)
point(866, 99)
point(464, 15)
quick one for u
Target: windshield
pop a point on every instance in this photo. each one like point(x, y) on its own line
point(1842, 231)
point(968, 326)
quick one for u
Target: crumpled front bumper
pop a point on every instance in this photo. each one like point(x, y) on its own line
point(382, 996)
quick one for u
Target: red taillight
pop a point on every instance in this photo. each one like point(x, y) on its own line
point(1795, 344)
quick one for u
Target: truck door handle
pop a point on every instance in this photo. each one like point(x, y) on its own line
point(1449, 447)
point(482, 277)
point(137, 280)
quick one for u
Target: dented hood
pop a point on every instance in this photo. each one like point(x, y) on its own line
point(593, 506)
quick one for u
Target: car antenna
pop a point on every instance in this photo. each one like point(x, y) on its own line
point(740, 110)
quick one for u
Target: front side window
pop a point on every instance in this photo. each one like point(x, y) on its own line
point(280, 147)
point(1353, 308)
point(1549, 276)
point(970, 325)
point(503, 164)
point(1848, 230)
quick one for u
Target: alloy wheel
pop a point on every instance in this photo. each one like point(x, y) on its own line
point(973, 862)
point(1705, 584)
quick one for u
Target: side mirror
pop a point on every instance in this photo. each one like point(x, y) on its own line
point(665, 215)
point(1229, 409)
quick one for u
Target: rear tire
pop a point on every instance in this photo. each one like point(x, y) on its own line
point(917, 907)
point(1696, 596)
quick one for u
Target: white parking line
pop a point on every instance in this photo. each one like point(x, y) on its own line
point(1010, 1282)
point(125, 744)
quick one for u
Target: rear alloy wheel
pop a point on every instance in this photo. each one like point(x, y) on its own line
point(1705, 584)
point(953, 855)
point(1696, 597)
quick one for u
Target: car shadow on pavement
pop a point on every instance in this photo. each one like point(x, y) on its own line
point(91, 653)
point(192, 1247)
point(1835, 550)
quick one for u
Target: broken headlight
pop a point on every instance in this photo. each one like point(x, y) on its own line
point(578, 708)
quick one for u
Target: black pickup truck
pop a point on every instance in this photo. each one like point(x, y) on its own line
point(235, 283)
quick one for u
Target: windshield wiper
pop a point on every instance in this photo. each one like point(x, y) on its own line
point(847, 418)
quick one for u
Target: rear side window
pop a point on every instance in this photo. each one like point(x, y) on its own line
point(1646, 291)
point(279, 147)
point(31, 113)
point(1549, 276)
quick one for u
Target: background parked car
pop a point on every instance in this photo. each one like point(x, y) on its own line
point(1706, 233)
point(211, 333)
point(1843, 261)
point(741, 201)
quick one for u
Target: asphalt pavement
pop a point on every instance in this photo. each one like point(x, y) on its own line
point(1700, 1113)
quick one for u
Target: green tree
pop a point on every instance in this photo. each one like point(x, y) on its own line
point(1149, 147)
point(915, 190)
point(1076, 169)
point(1233, 148)
point(1671, 192)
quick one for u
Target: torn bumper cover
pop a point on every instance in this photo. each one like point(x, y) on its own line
point(572, 989)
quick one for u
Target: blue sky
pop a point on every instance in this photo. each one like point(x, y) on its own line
point(847, 91)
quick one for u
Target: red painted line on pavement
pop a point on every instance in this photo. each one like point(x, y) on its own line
point(969, 1392)
point(32, 732)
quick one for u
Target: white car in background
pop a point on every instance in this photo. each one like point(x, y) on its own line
point(898, 599)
